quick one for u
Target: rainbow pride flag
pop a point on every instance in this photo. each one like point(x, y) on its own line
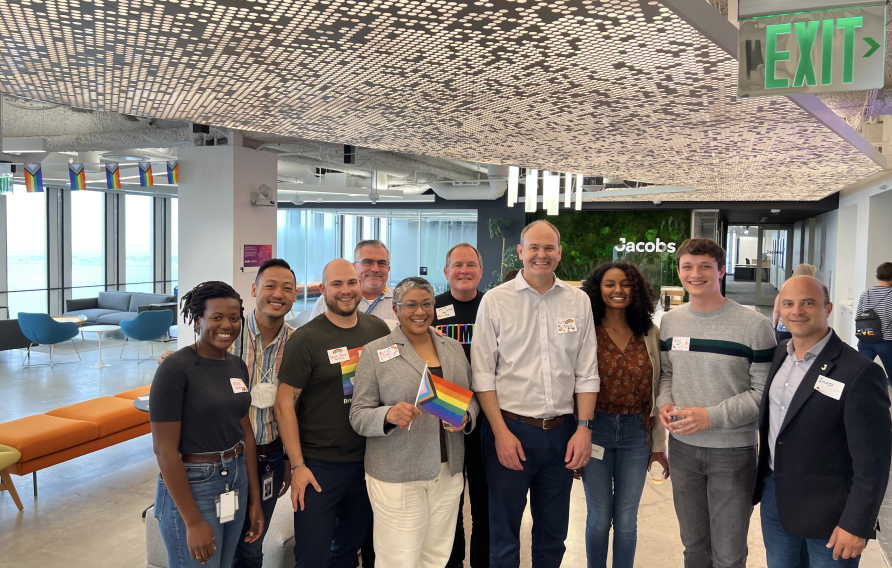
point(145, 174)
point(33, 178)
point(173, 172)
point(77, 176)
point(348, 369)
point(112, 176)
point(447, 401)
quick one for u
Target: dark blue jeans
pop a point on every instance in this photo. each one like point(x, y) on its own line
point(250, 554)
point(331, 528)
point(787, 551)
point(548, 481)
point(881, 349)
point(613, 488)
point(207, 483)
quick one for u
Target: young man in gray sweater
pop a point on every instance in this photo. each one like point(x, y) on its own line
point(714, 360)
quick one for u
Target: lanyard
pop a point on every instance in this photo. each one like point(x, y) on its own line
point(375, 303)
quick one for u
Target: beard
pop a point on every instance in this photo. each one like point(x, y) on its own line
point(334, 308)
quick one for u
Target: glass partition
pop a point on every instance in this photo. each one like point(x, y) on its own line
point(174, 244)
point(138, 271)
point(26, 251)
point(87, 243)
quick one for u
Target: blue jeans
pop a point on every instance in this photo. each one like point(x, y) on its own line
point(788, 551)
point(546, 477)
point(333, 525)
point(613, 488)
point(250, 554)
point(207, 484)
point(881, 349)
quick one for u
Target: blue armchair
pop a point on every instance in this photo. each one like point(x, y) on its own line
point(41, 329)
point(147, 326)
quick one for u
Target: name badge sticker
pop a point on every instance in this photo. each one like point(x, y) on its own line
point(388, 353)
point(338, 355)
point(566, 325)
point(681, 344)
point(238, 385)
point(597, 452)
point(826, 385)
point(446, 312)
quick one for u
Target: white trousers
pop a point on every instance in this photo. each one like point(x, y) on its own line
point(415, 521)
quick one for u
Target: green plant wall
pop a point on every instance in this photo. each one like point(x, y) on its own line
point(588, 239)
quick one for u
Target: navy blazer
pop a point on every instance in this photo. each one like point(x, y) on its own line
point(832, 457)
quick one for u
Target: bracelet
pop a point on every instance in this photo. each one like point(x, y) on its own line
point(296, 466)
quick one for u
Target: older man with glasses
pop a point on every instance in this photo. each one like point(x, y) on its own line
point(372, 261)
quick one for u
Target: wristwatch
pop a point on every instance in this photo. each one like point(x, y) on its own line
point(590, 424)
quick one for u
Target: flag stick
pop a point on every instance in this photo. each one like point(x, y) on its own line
point(418, 393)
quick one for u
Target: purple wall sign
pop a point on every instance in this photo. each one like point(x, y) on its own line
point(255, 255)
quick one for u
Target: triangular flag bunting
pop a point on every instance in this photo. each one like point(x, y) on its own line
point(112, 176)
point(173, 172)
point(77, 176)
point(33, 178)
point(145, 174)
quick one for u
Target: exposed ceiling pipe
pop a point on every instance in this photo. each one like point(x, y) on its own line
point(487, 190)
point(445, 170)
point(316, 163)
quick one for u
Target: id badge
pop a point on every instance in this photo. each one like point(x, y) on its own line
point(267, 486)
point(227, 505)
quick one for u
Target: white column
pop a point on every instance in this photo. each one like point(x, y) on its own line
point(216, 218)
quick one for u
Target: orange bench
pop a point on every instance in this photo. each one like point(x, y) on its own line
point(73, 431)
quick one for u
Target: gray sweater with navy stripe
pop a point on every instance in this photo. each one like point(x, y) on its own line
point(719, 361)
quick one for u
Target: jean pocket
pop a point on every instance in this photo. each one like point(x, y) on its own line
point(160, 495)
point(199, 473)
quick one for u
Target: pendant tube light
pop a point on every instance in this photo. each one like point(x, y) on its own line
point(579, 192)
point(513, 181)
point(568, 190)
point(551, 192)
point(531, 190)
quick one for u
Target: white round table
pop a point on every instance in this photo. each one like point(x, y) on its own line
point(99, 330)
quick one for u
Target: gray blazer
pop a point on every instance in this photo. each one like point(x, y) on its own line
point(400, 455)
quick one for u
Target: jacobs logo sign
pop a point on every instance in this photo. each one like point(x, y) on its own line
point(658, 246)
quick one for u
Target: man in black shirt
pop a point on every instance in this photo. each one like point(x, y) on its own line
point(316, 377)
point(456, 312)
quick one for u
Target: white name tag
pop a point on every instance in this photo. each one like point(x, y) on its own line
point(338, 355)
point(826, 385)
point(238, 385)
point(681, 343)
point(446, 312)
point(597, 452)
point(566, 325)
point(388, 353)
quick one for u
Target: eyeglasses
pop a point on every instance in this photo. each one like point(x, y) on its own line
point(368, 263)
point(412, 306)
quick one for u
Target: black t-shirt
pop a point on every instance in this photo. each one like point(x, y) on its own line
point(321, 359)
point(460, 326)
point(205, 396)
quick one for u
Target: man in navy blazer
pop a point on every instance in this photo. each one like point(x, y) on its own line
point(826, 440)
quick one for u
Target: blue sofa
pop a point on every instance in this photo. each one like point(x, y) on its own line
point(113, 307)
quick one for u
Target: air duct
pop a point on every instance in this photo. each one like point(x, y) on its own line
point(481, 190)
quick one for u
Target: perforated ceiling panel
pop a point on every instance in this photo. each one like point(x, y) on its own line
point(617, 88)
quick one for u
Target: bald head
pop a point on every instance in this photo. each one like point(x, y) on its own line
point(338, 269)
point(804, 308)
point(340, 288)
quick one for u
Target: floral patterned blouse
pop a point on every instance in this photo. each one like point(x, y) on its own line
point(626, 377)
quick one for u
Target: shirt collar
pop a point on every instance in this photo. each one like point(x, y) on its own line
point(815, 349)
point(388, 293)
point(520, 283)
point(251, 324)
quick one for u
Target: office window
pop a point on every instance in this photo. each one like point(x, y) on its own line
point(307, 240)
point(87, 240)
point(26, 262)
point(138, 273)
point(174, 243)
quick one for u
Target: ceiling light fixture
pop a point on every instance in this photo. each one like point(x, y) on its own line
point(568, 188)
point(551, 192)
point(513, 181)
point(531, 190)
point(579, 192)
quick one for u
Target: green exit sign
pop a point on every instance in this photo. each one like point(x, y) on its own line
point(823, 51)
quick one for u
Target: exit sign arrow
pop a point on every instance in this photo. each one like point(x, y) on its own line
point(873, 46)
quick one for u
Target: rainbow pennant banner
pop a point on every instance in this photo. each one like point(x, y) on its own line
point(145, 174)
point(173, 172)
point(447, 401)
point(112, 176)
point(77, 176)
point(33, 178)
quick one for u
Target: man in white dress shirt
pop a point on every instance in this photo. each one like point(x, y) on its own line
point(534, 348)
point(372, 261)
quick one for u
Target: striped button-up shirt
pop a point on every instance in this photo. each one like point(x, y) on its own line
point(263, 366)
point(784, 386)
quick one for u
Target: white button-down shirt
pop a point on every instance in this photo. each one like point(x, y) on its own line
point(535, 350)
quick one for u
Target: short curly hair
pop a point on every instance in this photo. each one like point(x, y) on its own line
point(640, 312)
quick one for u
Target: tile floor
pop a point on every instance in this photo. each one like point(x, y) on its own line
point(88, 514)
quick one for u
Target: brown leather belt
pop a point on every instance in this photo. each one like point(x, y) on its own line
point(266, 449)
point(544, 423)
point(202, 458)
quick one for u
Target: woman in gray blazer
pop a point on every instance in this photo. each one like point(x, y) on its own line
point(413, 461)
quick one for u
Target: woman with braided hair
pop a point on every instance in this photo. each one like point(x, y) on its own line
point(202, 437)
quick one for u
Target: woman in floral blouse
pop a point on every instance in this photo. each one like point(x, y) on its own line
point(626, 437)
